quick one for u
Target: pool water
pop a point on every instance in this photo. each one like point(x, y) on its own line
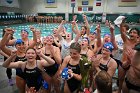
point(47, 29)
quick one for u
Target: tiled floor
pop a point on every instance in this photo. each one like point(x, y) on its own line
point(4, 87)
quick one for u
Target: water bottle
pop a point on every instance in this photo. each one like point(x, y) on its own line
point(64, 74)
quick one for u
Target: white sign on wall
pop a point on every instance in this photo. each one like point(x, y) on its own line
point(9, 3)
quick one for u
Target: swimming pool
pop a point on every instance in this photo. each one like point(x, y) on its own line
point(47, 28)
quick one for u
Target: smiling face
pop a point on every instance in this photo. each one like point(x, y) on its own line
point(75, 49)
point(105, 52)
point(49, 40)
point(21, 47)
point(74, 53)
point(31, 55)
point(133, 34)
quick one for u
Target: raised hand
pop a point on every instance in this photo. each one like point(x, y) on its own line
point(130, 53)
point(73, 23)
point(70, 72)
point(84, 17)
point(95, 60)
point(74, 17)
point(13, 52)
point(9, 31)
point(63, 21)
point(39, 53)
point(98, 28)
point(32, 29)
point(111, 28)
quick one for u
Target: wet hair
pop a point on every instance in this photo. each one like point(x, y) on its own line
point(30, 48)
point(76, 46)
point(103, 82)
point(138, 31)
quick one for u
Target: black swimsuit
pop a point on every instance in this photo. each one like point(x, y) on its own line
point(55, 44)
point(131, 86)
point(74, 83)
point(33, 77)
point(104, 67)
point(19, 71)
point(51, 70)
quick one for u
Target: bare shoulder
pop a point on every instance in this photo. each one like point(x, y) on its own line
point(66, 59)
point(113, 62)
point(40, 63)
point(56, 48)
point(43, 49)
point(22, 64)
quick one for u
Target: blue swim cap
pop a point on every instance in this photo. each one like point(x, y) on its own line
point(19, 41)
point(25, 31)
point(108, 46)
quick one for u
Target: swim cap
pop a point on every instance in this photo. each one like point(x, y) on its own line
point(108, 46)
point(19, 41)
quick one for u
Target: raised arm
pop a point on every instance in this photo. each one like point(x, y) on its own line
point(73, 23)
point(9, 64)
point(3, 54)
point(64, 64)
point(76, 30)
point(99, 41)
point(4, 41)
point(123, 31)
point(60, 27)
point(34, 41)
point(47, 60)
point(113, 37)
point(86, 24)
point(55, 51)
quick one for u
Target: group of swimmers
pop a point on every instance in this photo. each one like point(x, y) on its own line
point(39, 62)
